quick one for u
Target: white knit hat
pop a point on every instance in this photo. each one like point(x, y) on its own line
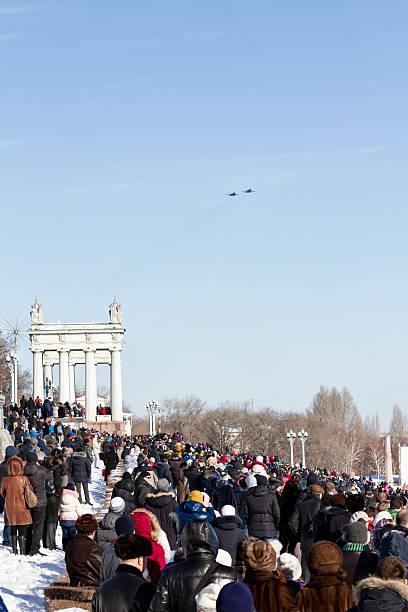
point(117, 504)
point(228, 510)
point(289, 566)
point(250, 481)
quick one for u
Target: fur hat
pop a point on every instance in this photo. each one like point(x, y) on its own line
point(207, 597)
point(325, 559)
point(117, 505)
point(260, 555)
point(289, 566)
point(86, 523)
point(196, 496)
point(357, 533)
point(11, 451)
point(338, 500)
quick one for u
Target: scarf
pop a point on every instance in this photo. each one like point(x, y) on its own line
point(355, 546)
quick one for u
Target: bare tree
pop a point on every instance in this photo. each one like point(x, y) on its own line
point(182, 415)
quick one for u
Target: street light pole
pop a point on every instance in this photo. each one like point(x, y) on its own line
point(151, 409)
point(291, 436)
point(302, 435)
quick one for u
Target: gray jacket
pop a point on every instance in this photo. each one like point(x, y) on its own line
point(109, 563)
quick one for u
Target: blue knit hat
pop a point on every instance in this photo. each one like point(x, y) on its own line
point(33, 434)
point(124, 524)
point(235, 597)
point(11, 451)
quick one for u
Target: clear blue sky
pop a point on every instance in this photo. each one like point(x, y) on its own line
point(122, 127)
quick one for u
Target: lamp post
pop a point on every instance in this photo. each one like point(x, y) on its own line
point(151, 408)
point(48, 387)
point(302, 435)
point(291, 436)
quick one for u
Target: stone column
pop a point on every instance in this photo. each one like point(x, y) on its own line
point(38, 382)
point(48, 371)
point(90, 385)
point(116, 386)
point(72, 396)
point(63, 375)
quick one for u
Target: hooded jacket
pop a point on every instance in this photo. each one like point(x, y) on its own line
point(147, 525)
point(223, 495)
point(260, 510)
point(106, 529)
point(38, 475)
point(177, 586)
point(229, 533)
point(12, 489)
point(161, 504)
point(80, 467)
point(374, 593)
point(395, 544)
point(70, 508)
point(189, 510)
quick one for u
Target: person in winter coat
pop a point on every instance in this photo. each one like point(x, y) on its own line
point(291, 494)
point(395, 542)
point(80, 468)
point(358, 561)
point(326, 589)
point(111, 461)
point(127, 590)
point(16, 513)
point(106, 528)
point(228, 528)
point(332, 518)
point(174, 466)
point(191, 509)
point(266, 583)
point(110, 561)
point(260, 510)
point(387, 591)
point(147, 525)
point(38, 476)
point(302, 523)
point(83, 555)
point(195, 478)
point(223, 493)
point(180, 582)
point(144, 484)
point(163, 469)
point(70, 511)
point(11, 451)
point(53, 491)
point(161, 504)
point(125, 490)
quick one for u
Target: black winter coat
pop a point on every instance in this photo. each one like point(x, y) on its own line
point(196, 479)
point(179, 582)
point(126, 591)
point(260, 510)
point(80, 467)
point(38, 475)
point(112, 461)
point(163, 471)
point(174, 465)
point(376, 594)
point(223, 495)
point(302, 521)
point(161, 504)
point(291, 494)
point(230, 533)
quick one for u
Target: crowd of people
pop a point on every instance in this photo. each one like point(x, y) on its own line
point(189, 528)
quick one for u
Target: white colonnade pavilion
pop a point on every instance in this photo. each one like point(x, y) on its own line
point(69, 344)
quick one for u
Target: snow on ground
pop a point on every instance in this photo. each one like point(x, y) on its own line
point(22, 579)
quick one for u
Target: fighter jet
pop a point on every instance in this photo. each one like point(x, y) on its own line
point(232, 194)
point(249, 191)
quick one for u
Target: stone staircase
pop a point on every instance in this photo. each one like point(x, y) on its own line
point(60, 595)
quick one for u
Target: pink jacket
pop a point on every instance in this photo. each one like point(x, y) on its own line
point(70, 508)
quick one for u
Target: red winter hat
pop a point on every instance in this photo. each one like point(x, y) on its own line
point(259, 463)
point(224, 459)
